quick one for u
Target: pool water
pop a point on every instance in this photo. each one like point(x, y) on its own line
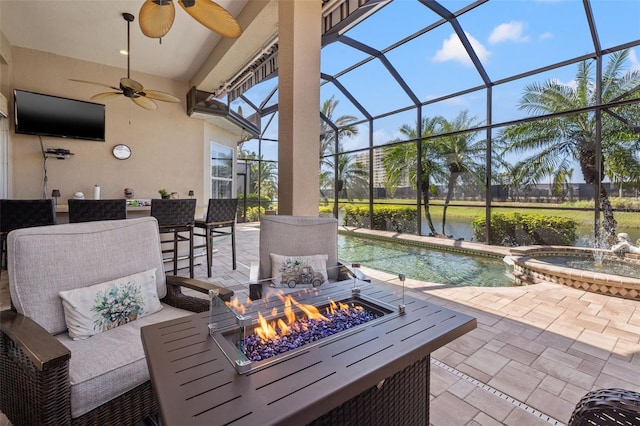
point(608, 267)
point(425, 264)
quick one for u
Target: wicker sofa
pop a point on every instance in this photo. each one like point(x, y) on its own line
point(47, 377)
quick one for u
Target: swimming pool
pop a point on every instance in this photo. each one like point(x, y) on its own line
point(425, 264)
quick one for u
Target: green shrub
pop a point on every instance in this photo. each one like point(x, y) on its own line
point(624, 203)
point(253, 200)
point(254, 214)
point(617, 203)
point(385, 218)
point(516, 229)
point(325, 211)
point(582, 204)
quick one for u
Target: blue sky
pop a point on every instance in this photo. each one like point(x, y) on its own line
point(509, 36)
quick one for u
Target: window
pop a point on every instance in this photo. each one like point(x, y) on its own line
point(221, 171)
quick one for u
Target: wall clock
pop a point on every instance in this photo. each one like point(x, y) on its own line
point(121, 151)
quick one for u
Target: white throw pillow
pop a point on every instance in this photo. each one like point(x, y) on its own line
point(101, 307)
point(289, 271)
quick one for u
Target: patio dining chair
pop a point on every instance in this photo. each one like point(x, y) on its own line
point(176, 217)
point(17, 214)
point(220, 221)
point(93, 210)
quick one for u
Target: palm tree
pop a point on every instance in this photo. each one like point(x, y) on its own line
point(617, 167)
point(390, 184)
point(263, 174)
point(328, 139)
point(559, 141)
point(561, 184)
point(353, 177)
point(402, 158)
point(461, 154)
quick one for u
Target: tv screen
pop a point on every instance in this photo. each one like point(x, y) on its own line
point(46, 115)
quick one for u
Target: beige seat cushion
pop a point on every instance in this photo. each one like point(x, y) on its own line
point(110, 364)
point(46, 260)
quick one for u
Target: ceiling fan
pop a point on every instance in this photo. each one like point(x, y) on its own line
point(156, 17)
point(129, 87)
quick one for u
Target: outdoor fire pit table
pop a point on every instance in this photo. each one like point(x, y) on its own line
point(375, 373)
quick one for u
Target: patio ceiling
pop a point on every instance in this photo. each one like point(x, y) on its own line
point(95, 31)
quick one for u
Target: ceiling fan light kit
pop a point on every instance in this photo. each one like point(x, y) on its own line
point(156, 17)
point(129, 87)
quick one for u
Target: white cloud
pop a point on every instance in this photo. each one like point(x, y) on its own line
point(545, 36)
point(457, 101)
point(452, 50)
point(359, 141)
point(382, 136)
point(571, 83)
point(511, 31)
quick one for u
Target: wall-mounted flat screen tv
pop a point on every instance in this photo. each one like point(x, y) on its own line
point(46, 115)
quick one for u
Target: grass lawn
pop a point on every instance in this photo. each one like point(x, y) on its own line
point(582, 218)
point(626, 220)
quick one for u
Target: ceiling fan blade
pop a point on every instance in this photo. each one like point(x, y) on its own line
point(156, 18)
point(95, 83)
point(144, 102)
point(128, 86)
point(105, 96)
point(212, 16)
point(129, 83)
point(160, 96)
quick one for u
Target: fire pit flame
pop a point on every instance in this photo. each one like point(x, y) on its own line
point(274, 329)
point(236, 306)
point(291, 330)
point(310, 311)
point(265, 331)
point(284, 328)
point(253, 343)
point(333, 307)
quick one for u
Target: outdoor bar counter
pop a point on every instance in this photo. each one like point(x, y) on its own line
point(136, 211)
point(376, 374)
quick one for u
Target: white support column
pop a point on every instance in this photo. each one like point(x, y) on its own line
point(299, 46)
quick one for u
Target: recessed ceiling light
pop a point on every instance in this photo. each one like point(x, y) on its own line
point(124, 52)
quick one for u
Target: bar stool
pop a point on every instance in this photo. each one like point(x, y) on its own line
point(221, 213)
point(16, 214)
point(176, 217)
point(94, 210)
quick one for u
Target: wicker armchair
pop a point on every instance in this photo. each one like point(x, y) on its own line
point(607, 407)
point(298, 236)
point(47, 377)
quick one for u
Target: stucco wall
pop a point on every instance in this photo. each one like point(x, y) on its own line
point(169, 149)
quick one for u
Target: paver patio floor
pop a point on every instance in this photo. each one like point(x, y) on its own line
point(537, 349)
